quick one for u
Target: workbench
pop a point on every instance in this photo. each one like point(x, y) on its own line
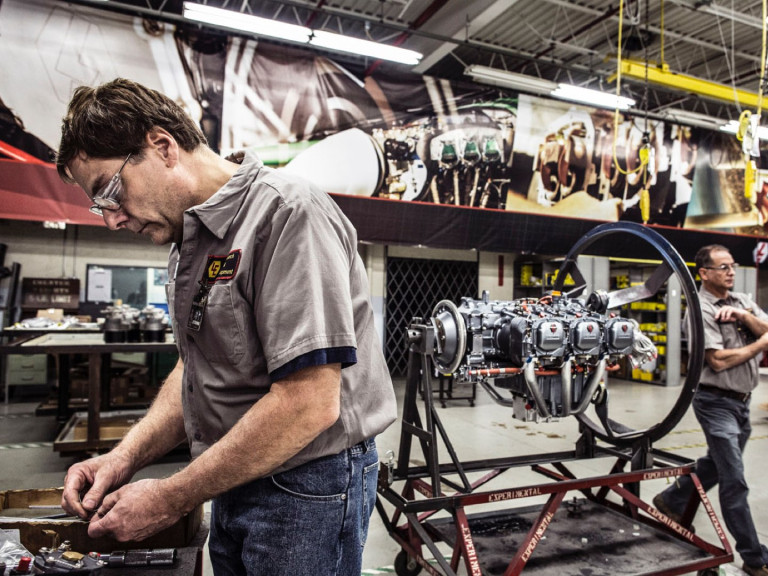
point(23, 514)
point(64, 344)
point(16, 370)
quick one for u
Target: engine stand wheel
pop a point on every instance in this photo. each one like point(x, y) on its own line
point(672, 264)
point(405, 565)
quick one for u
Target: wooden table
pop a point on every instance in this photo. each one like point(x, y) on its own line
point(63, 344)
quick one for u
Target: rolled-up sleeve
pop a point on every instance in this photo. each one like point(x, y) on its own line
point(304, 303)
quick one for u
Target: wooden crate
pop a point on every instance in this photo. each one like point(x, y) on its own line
point(36, 533)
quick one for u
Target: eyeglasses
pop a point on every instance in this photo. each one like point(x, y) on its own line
point(108, 196)
point(722, 267)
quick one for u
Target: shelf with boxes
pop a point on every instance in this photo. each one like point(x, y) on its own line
point(129, 383)
point(534, 278)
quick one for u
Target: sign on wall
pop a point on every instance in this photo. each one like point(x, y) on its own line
point(39, 293)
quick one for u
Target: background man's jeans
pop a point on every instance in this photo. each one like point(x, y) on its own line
point(309, 521)
point(725, 422)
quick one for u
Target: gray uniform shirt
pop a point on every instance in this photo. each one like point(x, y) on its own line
point(726, 336)
point(279, 263)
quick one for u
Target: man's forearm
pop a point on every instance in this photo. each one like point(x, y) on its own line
point(160, 430)
point(720, 360)
point(276, 428)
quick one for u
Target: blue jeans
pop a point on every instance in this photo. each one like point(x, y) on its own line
point(725, 422)
point(310, 520)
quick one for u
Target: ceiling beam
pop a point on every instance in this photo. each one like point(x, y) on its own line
point(166, 16)
point(720, 12)
point(461, 28)
point(661, 75)
point(486, 12)
point(656, 30)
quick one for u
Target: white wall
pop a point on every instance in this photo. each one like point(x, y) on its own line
point(499, 286)
point(746, 281)
point(45, 253)
point(374, 257)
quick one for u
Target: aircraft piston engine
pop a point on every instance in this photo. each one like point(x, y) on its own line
point(549, 354)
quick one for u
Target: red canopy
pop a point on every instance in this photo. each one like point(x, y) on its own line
point(34, 191)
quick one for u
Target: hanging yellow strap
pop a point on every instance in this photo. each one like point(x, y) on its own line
point(645, 205)
point(643, 157)
point(749, 177)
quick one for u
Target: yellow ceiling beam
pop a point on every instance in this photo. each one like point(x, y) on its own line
point(661, 74)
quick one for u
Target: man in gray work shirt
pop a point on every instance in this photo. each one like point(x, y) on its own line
point(735, 336)
point(281, 385)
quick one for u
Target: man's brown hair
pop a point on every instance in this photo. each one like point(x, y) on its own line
point(112, 120)
point(704, 255)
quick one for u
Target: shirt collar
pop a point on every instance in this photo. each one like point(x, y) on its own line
point(218, 212)
point(705, 294)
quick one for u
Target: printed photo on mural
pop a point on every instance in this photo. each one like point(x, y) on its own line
point(403, 137)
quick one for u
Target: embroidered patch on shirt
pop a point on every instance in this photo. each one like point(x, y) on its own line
point(221, 267)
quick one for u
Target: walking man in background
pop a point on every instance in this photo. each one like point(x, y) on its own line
point(735, 336)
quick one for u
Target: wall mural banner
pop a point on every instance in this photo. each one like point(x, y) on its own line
point(403, 137)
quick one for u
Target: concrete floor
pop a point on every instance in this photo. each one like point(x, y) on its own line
point(487, 430)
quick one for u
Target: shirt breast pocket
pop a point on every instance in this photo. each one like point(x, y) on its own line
point(220, 338)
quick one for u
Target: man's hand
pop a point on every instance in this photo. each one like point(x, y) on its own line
point(87, 483)
point(730, 314)
point(136, 511)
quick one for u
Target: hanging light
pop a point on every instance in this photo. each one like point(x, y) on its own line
point(299, 34)
point(506, 79)
point(592, 97)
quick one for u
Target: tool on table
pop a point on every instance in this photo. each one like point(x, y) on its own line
point(64, 560)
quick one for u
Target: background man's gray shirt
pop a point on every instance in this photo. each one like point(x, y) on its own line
point(727, 336)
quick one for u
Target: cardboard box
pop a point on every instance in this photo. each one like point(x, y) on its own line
point(55, 314)
point(38, 533)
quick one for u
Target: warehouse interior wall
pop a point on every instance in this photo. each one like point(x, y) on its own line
point(761, 287)
point(56, 253)
point(494, 271)
point(65, 253)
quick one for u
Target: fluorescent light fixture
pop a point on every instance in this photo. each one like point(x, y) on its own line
point(592, 97)
point(299, 34)
point(504, 79)
point(246, 23)
point(732, 127)
point(692, 118)
point(342, 43)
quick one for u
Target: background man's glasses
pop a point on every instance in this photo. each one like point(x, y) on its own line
point(722, 267)
point(108, 197)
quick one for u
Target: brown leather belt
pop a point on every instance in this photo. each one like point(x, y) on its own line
point(740, 396)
